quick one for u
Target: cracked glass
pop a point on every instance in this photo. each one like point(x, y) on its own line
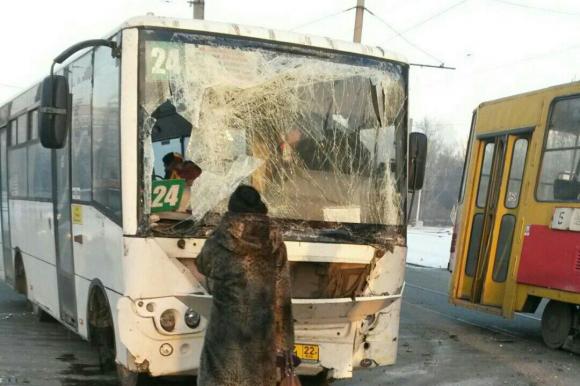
point(321, 135)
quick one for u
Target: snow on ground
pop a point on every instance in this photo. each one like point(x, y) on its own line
point(428, 246)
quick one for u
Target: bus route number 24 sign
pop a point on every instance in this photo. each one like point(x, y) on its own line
point(166, 195)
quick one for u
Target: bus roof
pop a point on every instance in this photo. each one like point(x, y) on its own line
point(231, 29)
point(260, 33)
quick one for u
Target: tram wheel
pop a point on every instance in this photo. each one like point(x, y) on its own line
point(557, 322)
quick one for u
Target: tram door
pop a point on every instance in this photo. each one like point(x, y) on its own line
point(494, 217)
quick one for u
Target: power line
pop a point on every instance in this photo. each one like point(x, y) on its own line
point(436, 15)
point(320, 19)
point(9, 85)
point(441, 66)
point(551, 10)
point(531, 58)
point(390, 27)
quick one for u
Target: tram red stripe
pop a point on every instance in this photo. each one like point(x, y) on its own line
point(550, 258)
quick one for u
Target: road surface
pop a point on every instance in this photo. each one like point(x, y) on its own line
point(439, 345)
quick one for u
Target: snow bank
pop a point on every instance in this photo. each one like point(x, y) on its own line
point(428, 247)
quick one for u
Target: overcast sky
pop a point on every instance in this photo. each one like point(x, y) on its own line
point(500, 47)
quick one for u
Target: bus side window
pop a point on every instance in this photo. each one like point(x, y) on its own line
point(17, 172)
point(33, 124)
point(22, 128)
point(560, 173)
point(17, 161)
point(13, 137)
point(106, 133)
point(39, 163)
point(81, 83)
point(39, 171)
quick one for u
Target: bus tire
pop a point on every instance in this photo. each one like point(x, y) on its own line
point(101, 328)
point(20, 282)
point(557, 321)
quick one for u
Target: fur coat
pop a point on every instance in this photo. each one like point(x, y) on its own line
point(251, 317)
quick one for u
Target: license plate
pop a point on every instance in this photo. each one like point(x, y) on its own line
point(308, 352)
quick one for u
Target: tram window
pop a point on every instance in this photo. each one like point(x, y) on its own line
point(81, 75)
point(504, 248)
point(560, 173)
point(106, 130)
point(474, 244)
point(39, 171)
point(33, 124)
point(518, 164)
point(466, 159)
point(485, 174)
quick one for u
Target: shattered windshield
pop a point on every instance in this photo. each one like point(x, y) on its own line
point(322, 138)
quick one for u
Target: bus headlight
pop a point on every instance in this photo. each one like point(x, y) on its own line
point(167, 320)
point(192, 318)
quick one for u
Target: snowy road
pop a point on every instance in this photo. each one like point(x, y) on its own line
point(439, 345)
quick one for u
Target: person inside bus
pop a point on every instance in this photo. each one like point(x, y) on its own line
point(244, 266)
point(177, 168)
point(172, 163)
point(288, 145)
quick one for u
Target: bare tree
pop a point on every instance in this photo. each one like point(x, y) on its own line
point(442, 176)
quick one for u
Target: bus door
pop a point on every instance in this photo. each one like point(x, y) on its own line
point(63, 235)
point(6, 248)
point(494, 217)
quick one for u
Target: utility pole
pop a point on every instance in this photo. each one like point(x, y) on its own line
point(198, 8)
point(358, 20)
point(418, 223)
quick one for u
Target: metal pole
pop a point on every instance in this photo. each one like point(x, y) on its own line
point(417, 221)
point(358, 20)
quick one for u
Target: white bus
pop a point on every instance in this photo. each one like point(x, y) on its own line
point(99, 235)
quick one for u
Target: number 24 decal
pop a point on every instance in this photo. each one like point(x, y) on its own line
point(166, 195)
point(165, 61)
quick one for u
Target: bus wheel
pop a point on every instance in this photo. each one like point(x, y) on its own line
point(102, 329)
point(20, 282)
point(557, 322)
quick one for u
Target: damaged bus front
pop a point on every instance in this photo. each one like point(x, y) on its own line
point(322, 135)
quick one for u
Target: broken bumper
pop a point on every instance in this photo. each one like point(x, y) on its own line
point(153, 351)
point(332, 325)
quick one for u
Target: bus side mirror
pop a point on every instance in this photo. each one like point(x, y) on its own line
point(53, 117)
point(417, 160)
point(53, 112)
